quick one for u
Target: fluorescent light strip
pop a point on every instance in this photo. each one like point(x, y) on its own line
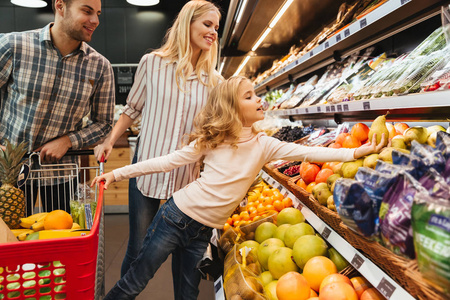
point(222, 64)
point(242, 66)
point(280, 13)
point(241, 11)
point(30, 3)
point(143, 2)
point(261, 39)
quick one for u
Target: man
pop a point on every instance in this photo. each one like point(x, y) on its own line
point(50, 79)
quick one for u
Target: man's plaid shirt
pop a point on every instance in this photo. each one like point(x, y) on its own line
point(44, 95)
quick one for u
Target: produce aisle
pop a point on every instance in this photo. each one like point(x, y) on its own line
point(378, 66)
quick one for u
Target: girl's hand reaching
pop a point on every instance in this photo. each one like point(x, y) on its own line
point(371, 147)
point(107, 178)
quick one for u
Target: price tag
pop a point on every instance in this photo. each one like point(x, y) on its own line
point(345, 107)
point(311, 53)
point(346, 32)
point(363, 23)
point(306, 110)
point(327, 45)
point(403, 2)
point(366, 105)
point(327, 109)
point(218, 289)
point(357, 261)
point(280, 187)
point(326, 232)
point(318, 109)
point(333, 109)
point(339, 107)
point(299, 205)
point(338, 38)
point(386, 288)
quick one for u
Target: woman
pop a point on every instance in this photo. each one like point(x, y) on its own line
point(171, 86)
point(233, 155)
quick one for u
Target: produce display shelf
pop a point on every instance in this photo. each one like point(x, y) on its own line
point(377, 277)
point(433, 105)
point(375, 22)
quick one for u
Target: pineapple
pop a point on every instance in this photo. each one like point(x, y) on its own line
point(12, 199)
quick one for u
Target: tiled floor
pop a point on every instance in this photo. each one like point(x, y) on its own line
point(160, 287)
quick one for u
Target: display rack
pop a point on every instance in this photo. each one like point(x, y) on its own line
point(377, 277)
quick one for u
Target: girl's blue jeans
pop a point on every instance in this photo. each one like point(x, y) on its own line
point(171, 232)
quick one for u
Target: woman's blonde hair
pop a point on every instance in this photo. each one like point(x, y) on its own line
point(220, 119)
point(177, 45)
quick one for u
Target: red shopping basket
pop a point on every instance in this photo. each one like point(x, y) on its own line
point(62, 268)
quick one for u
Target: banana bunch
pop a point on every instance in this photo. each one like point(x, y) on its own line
point(21, 234)
point(34, 222)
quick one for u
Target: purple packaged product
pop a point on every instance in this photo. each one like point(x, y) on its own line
point(388, 168)
point(431, 158)
point(354, 206)
point(443, 144)
point(435, 184)
point(416, 164)
point(446, 173)
point(395, 215)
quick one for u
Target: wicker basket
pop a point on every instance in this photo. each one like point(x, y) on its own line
point(328, 216)
point(281, 178)
point(423, 288)
point(302, 195)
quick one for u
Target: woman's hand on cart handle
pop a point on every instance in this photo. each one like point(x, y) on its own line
point(107, 178)
point(103, 149)
point(371, 147)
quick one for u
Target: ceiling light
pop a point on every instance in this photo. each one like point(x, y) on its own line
point(261, 39)
point(280, 13)
point(241, 11)
point(242, 65)
point(143, 2)
point(30, 3)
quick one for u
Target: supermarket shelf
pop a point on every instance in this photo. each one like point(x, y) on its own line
point(424, 106)
point(388, 19)
point(378, 278)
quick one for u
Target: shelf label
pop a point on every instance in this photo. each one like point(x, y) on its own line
point(298, 205)
point(306, 110)
point(327, 45)
point(339, 107)
point(327, 109)
point(333, 109)
point(345, 107)
point(318, 109)
point(346, 32)
point(311, 53)
point(338, 38)
point(218, 289)
point(366, 105)
point(363, 23)
point(357, 261)
point(326, 232)
point(386, 288)
point(403, 2)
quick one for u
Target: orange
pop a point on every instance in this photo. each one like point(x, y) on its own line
point(235, 218)
point(292, 286)
point(316, 269)
point(360, 131)
point(340, 138)
point(391, 129)
point(278, 205)
point(360, 284)
point(277, 195)
point(267, 192)
point(310, 187)
point(312, 293)
point(372, 294)
point(334, 278)
point(335, 145)
point(287, 202)
point(226, 227)
point(314, 298)
point(338, 291)
point(301, 183)
point(323, 175)
point(351, 142)
point(230, 221)
point(58, 219)
point(245, 216)
point(401, 127)
point(261, 208)
point(309, 172)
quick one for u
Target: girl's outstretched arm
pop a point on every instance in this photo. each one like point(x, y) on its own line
point(371, 147)
point(107, 178)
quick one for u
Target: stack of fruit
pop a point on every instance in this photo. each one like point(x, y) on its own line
point(289, 247)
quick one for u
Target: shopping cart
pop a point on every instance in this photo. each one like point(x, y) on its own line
point(61, 268)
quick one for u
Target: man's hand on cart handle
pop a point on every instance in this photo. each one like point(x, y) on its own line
point(107, 178)
point(55, 149)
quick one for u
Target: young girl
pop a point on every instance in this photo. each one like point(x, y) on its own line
point(233, 154)
point(171, 86)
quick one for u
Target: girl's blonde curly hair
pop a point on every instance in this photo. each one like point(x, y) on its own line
point(220, 119)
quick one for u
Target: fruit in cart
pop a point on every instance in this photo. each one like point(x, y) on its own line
point(307, 247)
point(351, 142)
point(32, 236)
point(271, 290)
point(264, 231)
point(340, 262)
point(371, 294)
point(58, 219)
point(417, 133)
point(349, 168)
point(21, 234)
point(370, 161)
point(296, 231)
point(12, 199)
point(360, 284)
point(360, 131)
point(379, 127)
point(38, 226)
point(334, 278)
point(290, 215)
point(323, 175)
point(280, 262)
point(266, 277)
point(267, 248)
point(401, 127)
point(330, 203)
point(316, 269)
point(281, 231)
point(34, 218)
point(338, 291)
point(293, 285)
